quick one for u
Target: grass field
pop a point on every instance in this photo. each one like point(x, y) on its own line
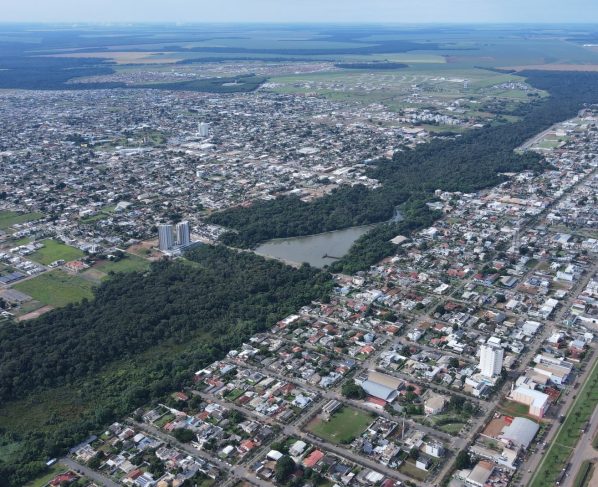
point(54, 250)
point(569, 433)
point(344, 426)
point(512, 408)
point(20, 241)
point(56, 288)
point(129, 263)
point(409, 468)
point(10, 218)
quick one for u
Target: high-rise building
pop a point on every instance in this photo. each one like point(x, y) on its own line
point(165, 237)
point(203, 129)
point(183, 233)
point(491, 358)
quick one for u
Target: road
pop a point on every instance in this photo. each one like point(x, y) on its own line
point(97, 477)
point(584, 450)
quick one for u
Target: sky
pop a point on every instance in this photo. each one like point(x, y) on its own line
point(343, 11)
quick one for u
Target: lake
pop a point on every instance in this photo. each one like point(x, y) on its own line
point(313, 248)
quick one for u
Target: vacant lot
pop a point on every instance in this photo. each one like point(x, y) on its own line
point(56, 288)
point(10, 218)
point(344, 426)
point(129, 263)
point(53, 251)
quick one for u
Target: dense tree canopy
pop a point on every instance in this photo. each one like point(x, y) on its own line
point(96, 351)
point(224, 293)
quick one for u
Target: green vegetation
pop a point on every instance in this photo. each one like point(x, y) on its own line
point(236, 84)
point(569, 433)
point(475, 160)
point(344, 425)
point(10, 218)
point(352, 390)
point(76, 369)
point(584, 476)
point(42, 481)
point(124, 263)
point(183, 435)
point(371, 66)
point(56, 288)
point(54, 250)
point(408, 468)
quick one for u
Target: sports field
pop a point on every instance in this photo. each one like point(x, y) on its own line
point(344, 426)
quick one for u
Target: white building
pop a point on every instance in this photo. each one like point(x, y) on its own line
point(183, 233)
point(491, 358)
point(165, 237)
point(203, 129)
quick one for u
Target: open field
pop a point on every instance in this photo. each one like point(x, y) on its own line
point(414, 86)
point(409, 468)
point(56, 288)
point(125, 57)
point(10, 218)
point(54, 250)
point(569, 433)
point(343, 427)
point(129, 263)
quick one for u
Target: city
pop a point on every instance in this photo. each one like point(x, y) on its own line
point(142, 345)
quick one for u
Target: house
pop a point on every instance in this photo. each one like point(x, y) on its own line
point(313, 459)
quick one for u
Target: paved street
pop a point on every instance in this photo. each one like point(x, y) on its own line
point(97, 477)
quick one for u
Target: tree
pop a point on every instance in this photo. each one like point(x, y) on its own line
point(463, 460)
point(352, 391)
point(183, 435)
point(285, 467)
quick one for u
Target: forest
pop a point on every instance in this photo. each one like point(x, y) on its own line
point(472, 161)
point(201, 307)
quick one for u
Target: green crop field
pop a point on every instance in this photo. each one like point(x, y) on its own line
point(569, 433)
point(344, 426)
point(56, 288)
point(10, 218)
point(53, 251)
